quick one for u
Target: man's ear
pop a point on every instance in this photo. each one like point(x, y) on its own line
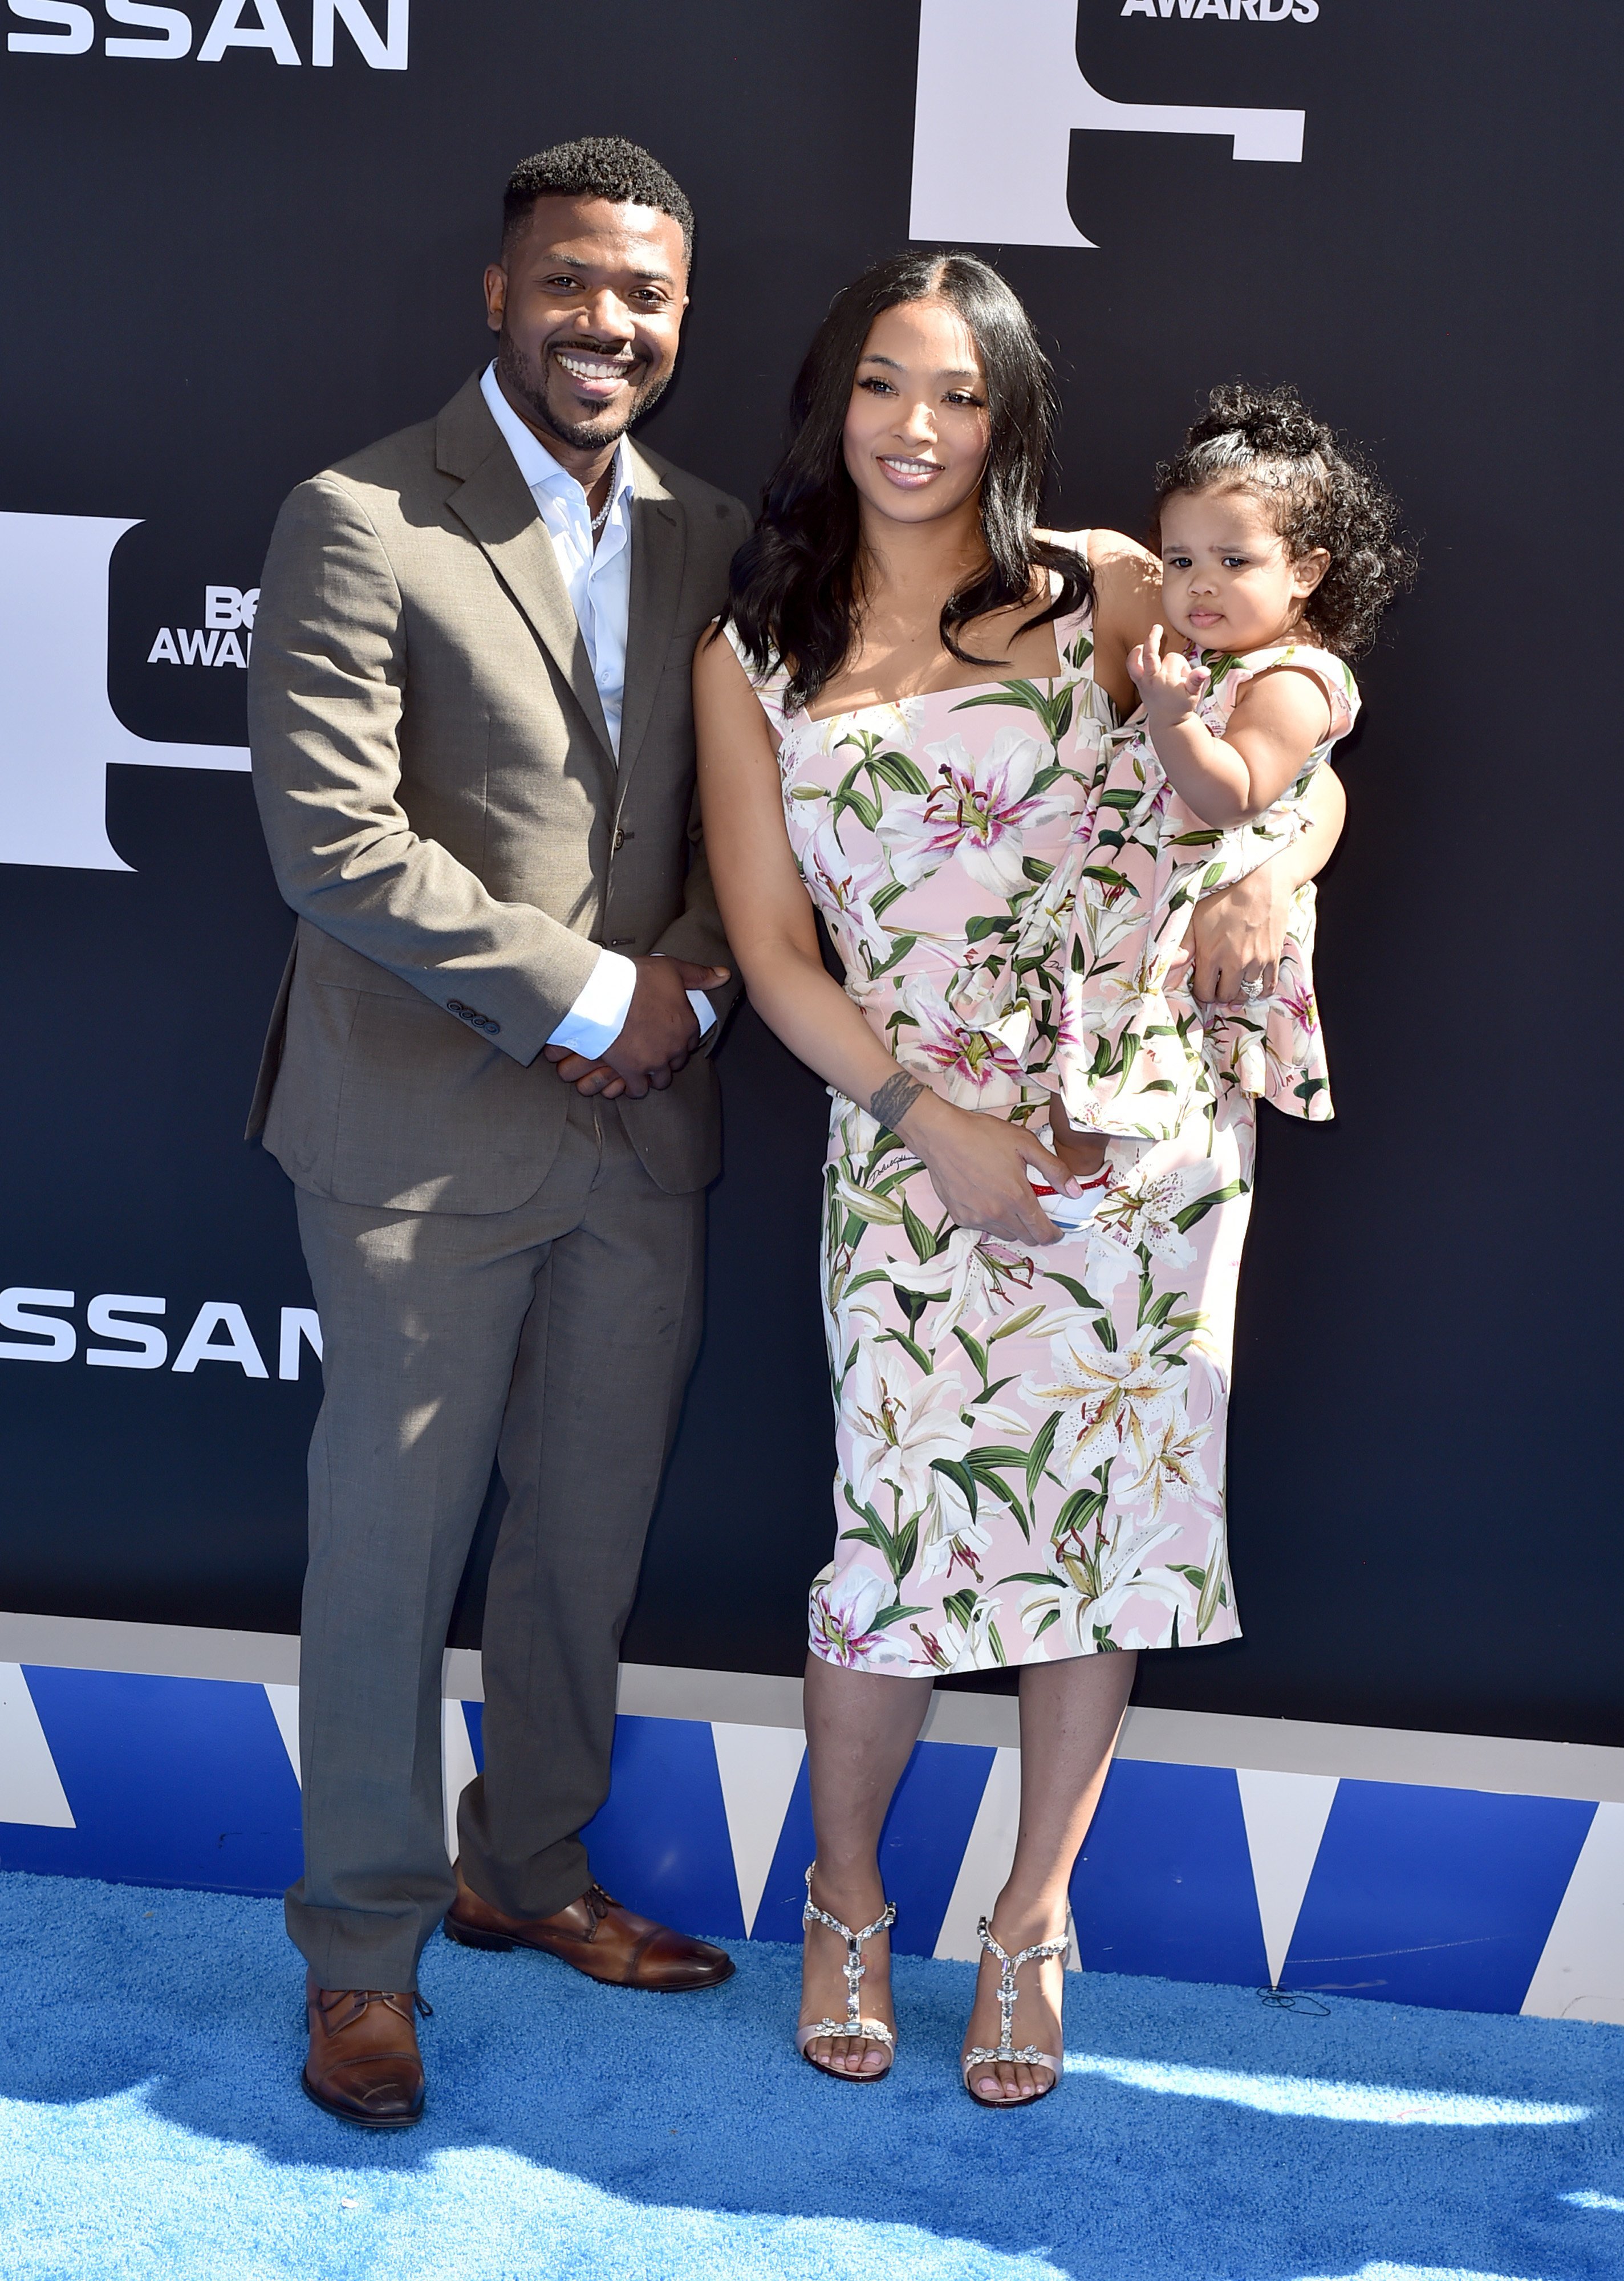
point(495, 295)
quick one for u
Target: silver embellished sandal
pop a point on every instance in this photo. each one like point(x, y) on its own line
point(854, 2024)
point(1028, 2055)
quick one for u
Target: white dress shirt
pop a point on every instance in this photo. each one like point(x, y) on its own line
point(598, 580)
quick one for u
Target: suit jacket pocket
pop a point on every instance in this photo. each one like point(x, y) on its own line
point(432, 1119)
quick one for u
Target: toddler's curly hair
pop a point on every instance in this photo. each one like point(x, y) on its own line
point(1322, 492)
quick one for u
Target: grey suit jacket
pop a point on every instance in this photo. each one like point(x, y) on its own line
point(445, 816)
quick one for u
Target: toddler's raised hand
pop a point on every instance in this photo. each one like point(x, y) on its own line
point(1169, 685)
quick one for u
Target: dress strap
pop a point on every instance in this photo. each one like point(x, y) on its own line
point(1074, 622)
point(768, 686)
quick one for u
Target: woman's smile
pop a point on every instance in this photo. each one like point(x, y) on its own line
point(911, 475)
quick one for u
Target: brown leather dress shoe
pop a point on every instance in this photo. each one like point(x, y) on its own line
point(599, 1937)
point(364, 2063)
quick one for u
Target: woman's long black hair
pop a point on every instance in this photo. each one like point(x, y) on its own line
point(795, 589)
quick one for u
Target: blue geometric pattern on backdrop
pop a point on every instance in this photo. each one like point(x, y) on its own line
point(921, 1846)
point(171, 1781)
point(661, 1842)
point(1418, 1895)
point(784, 1895)
point(1435, 1896)
point(1164, 1883)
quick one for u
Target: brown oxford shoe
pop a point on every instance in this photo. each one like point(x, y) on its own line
point(364, 2064)
point(599, 1937)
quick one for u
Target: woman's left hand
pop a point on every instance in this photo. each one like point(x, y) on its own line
point(1237, 934)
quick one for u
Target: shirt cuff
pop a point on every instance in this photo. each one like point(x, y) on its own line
point(599, 1014)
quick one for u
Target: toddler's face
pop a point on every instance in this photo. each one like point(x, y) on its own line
point(1227, 582)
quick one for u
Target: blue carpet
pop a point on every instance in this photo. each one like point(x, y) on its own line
point(150, 2124)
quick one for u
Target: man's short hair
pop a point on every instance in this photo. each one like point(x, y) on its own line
point(597, 166)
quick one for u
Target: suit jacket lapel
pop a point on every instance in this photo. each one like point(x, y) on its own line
point(659, 545)
point(493, 502)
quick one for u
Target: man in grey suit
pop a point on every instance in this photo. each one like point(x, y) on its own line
point(473, 749)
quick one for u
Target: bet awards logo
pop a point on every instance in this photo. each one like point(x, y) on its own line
point(992, 146)
point(165, 35)
point(1252, 12)
point(59, 732)
point(225, 637)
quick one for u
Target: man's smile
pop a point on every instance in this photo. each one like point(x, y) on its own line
point(594, 373)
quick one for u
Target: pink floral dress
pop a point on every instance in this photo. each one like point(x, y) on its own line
point(1136, 1054)
point(1029, 1442)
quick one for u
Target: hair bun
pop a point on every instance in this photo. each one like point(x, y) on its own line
point(1274, 420)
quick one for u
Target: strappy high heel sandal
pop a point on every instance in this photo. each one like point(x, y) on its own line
point(854, 2024)
point(1028, 2055)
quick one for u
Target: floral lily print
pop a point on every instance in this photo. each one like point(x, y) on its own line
point(1030, 1443)
point(1136, 1054)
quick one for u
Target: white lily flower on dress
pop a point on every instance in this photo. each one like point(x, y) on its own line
point(900, 1425)
point(1110, 1402)
point(1144, 1209)
point(976, 1278)
point(843, 1607)
point(1044, 917)
point(977, 815)
point(848, 888)
point(1116, 1571)
point(844, 734)
point(975, 1060)
point(1172, 1470)
point(950, 1535)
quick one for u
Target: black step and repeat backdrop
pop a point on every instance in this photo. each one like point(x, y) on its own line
point(243, 239)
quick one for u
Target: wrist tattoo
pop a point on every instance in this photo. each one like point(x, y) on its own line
point(891, 1100)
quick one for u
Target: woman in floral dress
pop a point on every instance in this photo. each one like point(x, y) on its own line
point(906, 730)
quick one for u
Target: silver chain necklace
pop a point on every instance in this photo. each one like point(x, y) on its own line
point(602, 517)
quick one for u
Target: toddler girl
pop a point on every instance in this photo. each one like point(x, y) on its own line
point(1280, 554)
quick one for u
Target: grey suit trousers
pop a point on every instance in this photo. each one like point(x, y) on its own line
point(555, 1339)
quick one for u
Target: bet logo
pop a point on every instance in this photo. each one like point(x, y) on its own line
point(59, 732)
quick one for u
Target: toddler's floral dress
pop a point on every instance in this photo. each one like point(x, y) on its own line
point(1030, 1441)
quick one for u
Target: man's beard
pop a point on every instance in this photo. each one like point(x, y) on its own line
point(580, 435)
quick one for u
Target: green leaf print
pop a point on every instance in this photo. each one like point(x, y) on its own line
point(904, 944)
point(915, 1229)
point(865, 810)
point(916, 1354)
point(1053, 1617)
point(897, 770)
point(1069, 1283)
point(974, 1348)
point(894, 1614)
point(1043, 1440)
point(1054, 711)
point(1082, 1507)
point(1185, 1221)
point(963, 1479)
point(1212, 1595)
